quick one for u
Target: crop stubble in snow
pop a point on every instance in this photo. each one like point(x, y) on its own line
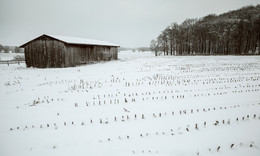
point(138, 105)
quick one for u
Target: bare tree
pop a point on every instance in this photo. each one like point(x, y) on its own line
point(16, 49)
point(235, 32)
point(1, 47)
point(6, 49)
point(154, 47)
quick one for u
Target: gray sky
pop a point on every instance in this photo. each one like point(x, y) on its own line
point(129, 23)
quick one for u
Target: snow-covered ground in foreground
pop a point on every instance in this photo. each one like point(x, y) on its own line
point(138, 105)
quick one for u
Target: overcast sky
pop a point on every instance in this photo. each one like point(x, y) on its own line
point(129, 23)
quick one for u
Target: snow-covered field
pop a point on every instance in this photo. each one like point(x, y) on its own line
point(138, 105)
point(9, 56)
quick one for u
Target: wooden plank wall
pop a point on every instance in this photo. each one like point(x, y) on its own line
point(78, 54)
point(106, 53)
point(81, 54)
point(45, 53)
point(114, 51)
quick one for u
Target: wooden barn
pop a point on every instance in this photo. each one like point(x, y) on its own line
point(47, 51)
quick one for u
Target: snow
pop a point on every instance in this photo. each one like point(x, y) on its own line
point(173, 94)
point(78, 40)
point(9, 56)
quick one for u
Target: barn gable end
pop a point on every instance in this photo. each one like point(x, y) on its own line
point(44, 52)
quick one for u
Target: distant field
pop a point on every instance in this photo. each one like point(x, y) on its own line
point(137, 105)
point(9, 56)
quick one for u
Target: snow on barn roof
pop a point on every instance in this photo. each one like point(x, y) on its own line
point(76, 40)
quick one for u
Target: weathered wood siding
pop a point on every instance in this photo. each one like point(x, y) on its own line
point(106, 53)
point(78, 54)
point(81, 54)
point(44, 53)
point(114, 51)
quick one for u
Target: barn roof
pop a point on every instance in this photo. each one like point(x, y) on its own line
point(76, 40)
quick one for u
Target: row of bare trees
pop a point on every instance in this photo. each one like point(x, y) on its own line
point(233, 33)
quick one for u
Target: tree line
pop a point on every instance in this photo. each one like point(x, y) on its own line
point(233, 33)
point(7, 49)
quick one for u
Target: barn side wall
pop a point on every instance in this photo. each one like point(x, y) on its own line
point(81, 54)
point(44, 53)
point(78, 54)
point(114, 52)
